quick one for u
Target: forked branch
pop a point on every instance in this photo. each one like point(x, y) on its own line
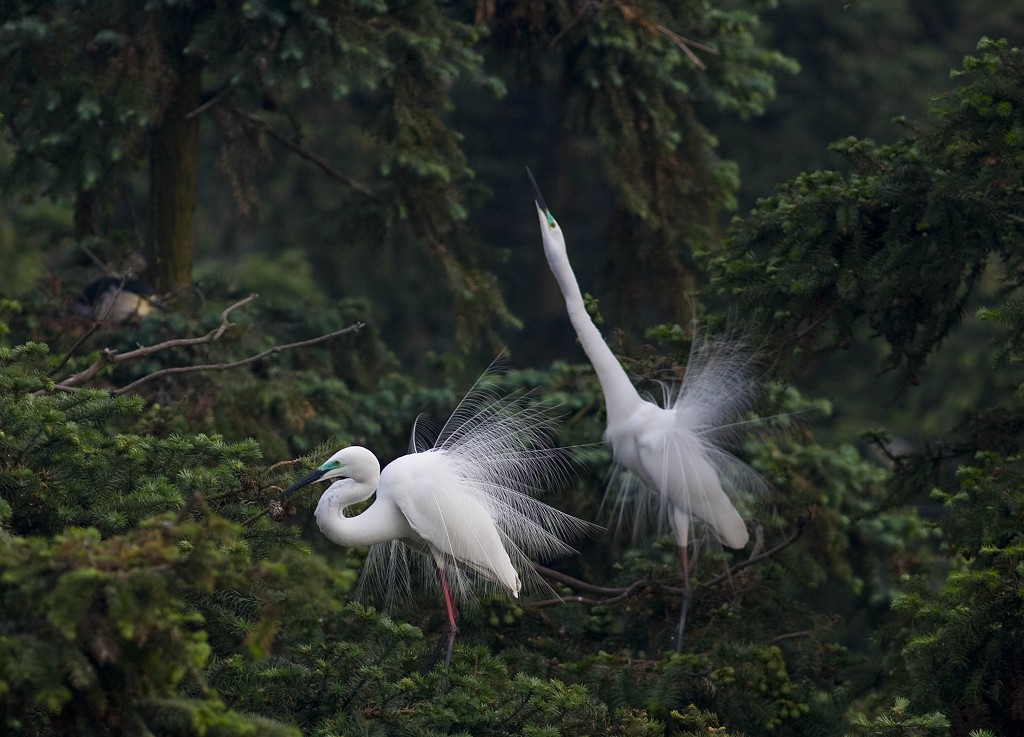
point(235, 364)
point(605, 596)
point(110, 357)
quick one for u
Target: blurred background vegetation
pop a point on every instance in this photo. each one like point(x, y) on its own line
point(836, 180)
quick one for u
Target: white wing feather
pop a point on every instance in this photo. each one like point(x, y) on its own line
point(680, 449)
point(495, 457)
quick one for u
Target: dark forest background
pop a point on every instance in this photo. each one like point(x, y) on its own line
point(840, 182)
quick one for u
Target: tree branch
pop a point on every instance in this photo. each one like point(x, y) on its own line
point(801, 524)
point(235, 364)
point(576, 583)
point(791, 636)
point(614, 595)
point(109, 357)
point(305, 153)
point(97, 323)
point(625, 594)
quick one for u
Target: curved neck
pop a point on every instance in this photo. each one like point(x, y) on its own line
point(382, 520)
point(620, 395)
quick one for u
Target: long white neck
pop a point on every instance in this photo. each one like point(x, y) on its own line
point(382, 520)
point(620, 395)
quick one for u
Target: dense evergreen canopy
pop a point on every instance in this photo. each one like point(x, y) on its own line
point(361, 165)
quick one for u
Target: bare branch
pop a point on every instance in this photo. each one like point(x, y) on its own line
point(74, 348)
point(305, 153)
point(544, 603)
point(791, 636)
point(279, 464)
point(235, 364)
point(98, 261)
point(801, 524)
point(684, 45)
point(96, 324)
point(615, 595)
point(215, 100)
point(108, 356)
point(625, 594)
point(576, 583)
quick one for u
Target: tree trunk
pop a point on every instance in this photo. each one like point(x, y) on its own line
point(87, 213)
point(172, 185)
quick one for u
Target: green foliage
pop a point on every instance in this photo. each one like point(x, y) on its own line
point(902, 242)
point(95, 629)
point(898, 249)
point(635, 76)
point(899, 723)
point(148, 583)
point(962, 644)
point(133, 605)
point(64, 467)
point(107, 544)
point(89, 83)
point(372, 684)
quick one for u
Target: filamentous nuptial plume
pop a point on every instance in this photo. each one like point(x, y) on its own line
point(678, 468)
point(465, 503)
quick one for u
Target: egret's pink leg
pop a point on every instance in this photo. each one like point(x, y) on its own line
point(448, 639)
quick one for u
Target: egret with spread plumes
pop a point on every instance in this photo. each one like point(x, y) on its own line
point(678, 469)
point(465, 502)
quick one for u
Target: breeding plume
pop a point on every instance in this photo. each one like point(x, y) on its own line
point(675, 453)
point(465, 502)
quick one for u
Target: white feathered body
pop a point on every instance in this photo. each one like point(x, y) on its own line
point(465, 502)
point(446, 515)
point(664, 449)
point(678, 468)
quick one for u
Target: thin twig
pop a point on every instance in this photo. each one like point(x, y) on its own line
point(97, 260)
point(108, 357)
point(615, 595)
point(215, 100)
point(801, 524)
point(235, 364)
point(791, 636)
point(255, 517)
point(97, 323)
point(579, 16)
point(625, 594)
point(684, 45)
point(576, 583)
point(544, 603)
point(279, 464)
point(820, 320)
point(74, 349)
point(305, 153)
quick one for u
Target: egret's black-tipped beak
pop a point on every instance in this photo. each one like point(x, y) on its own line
point(536, 192)
point(306, 481)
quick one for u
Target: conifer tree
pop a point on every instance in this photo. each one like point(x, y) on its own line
point(897, 250)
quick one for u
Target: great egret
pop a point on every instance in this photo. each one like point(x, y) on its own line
point(676, 451)
point(466, 502)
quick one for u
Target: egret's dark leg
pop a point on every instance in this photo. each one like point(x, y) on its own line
point(447, 641)
point(685, 605)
